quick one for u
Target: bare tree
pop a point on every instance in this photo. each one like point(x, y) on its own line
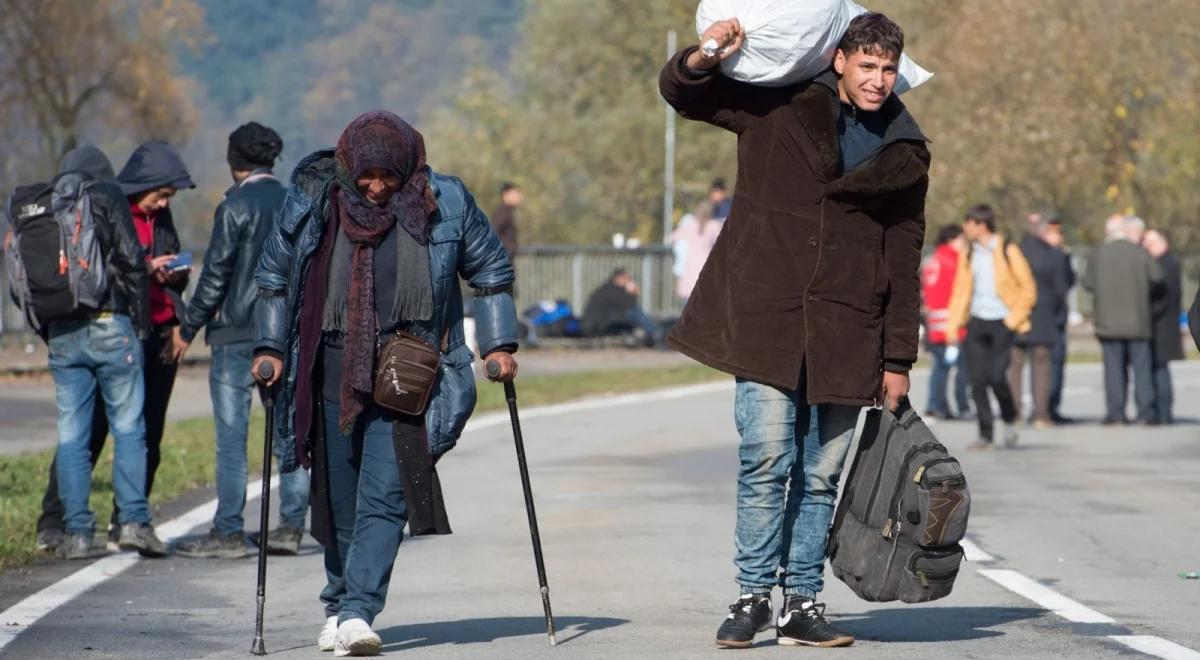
point(66, 67)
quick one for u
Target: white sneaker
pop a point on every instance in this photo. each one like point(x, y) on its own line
point(328, 637)
point(355, 637)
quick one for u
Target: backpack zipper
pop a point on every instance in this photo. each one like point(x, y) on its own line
point(891, 526)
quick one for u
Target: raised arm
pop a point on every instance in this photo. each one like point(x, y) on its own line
point(693, 85)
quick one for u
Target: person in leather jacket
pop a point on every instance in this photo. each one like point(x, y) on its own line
point(223, 304)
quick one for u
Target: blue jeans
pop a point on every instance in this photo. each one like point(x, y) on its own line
point(939, 377)
point(84, 354)
point(791, 460)
point(232, 388)
point(369, 514)
point(293, 498)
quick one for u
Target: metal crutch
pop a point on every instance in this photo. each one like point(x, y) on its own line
point(265, 372)
point(510, 393)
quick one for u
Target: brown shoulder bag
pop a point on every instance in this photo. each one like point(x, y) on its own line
point(405, 373)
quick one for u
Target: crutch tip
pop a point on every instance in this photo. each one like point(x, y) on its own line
point(553, 641)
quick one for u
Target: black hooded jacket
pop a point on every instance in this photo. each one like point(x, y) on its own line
point(153, 165)
point(123, 252)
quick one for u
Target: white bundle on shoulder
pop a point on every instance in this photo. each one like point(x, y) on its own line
point(788, 41)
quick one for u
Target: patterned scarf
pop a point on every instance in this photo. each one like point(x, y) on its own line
point(378, 140)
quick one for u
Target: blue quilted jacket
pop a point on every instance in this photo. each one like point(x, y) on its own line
point(461, 244)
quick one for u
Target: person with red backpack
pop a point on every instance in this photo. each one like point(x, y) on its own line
point(78, 270)
point(937, 283)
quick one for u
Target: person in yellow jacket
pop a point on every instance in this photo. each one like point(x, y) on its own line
point(993, 297)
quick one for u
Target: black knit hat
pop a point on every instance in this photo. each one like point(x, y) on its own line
point(252, 146)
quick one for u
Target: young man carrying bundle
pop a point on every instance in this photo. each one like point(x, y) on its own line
point(811, 296)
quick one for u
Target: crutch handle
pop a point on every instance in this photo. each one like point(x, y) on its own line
point(266, 371)
point(492, 368)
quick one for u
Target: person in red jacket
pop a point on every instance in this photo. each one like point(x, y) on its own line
point(937, 282)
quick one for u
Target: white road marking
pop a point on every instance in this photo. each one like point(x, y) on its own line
point(29, 611)
point(973, 552)
point(1044, 596)
point(1156, 646)
point(24, 614)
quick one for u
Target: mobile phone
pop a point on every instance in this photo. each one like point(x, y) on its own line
point(182, 261)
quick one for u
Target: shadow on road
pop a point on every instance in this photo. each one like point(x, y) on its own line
point(475, 631)
point(933, 624)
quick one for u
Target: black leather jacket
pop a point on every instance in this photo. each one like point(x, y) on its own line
point(126, 259)
point(225, 295)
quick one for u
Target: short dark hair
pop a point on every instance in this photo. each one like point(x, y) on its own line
point(948, 233)
point(982, 213)
point(507, 186)
point(717, 184)
point(874, 34)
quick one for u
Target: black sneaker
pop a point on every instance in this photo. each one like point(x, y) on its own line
point(748, 616)
point(141, 537)
point(75, 546)
point(802, 623)
point(49, 539)
point(215, 545)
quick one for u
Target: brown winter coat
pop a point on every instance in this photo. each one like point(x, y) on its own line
point(815, 272)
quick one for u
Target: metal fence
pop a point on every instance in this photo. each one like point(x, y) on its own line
point(572, 273)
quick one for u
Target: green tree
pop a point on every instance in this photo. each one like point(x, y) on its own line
point(577, 119)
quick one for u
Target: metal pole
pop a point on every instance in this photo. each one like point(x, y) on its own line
point(669, 165)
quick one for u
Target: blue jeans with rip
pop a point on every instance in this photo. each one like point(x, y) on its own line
point(791, 456)
point(369, 513)
point(232, 389)
point(84, 354)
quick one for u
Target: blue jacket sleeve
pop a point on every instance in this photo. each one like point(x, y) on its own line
point(271, 315)
point(487, 268)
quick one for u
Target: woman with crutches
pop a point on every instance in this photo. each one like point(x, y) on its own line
point(360, 317)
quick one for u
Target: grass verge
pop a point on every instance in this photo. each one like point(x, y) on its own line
point(188, 461)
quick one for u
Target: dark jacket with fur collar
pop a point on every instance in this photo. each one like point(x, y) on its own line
point(816, 271)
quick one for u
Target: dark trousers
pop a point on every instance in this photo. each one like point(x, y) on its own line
point(160, 379)
point(1121, 355)
point(989, 350)
point(1164, 393)
point(1039, 363)
point(1058, 372)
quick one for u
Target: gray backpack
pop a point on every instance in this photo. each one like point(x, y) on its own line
point(904, 509)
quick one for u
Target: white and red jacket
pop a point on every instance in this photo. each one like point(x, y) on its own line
point(937, 283)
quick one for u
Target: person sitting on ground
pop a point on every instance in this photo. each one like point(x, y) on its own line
point(371, 242)
point(613, 309)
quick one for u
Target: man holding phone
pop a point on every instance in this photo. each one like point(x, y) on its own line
point(223, 304)
point(811, 296)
